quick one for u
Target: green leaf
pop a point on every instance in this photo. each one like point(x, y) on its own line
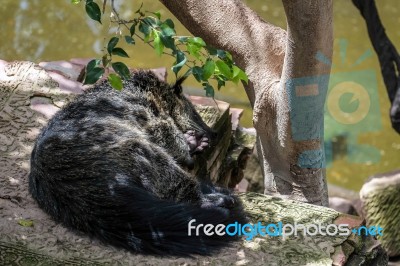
point(194, 50)
point(168, 41)
point(121, 70)
point(170, 23)
point(209, 90)
point(211, 50)
point(92, 64)
point(25, 223)
point(221, 83)
point(111, 44)
point(132, 29)
point(120, 52)
point(197, 41)
point(225, 56)
point(157, 14)
point(93, 11)
point(158, 45)
point(151, 21)
point(235, 73)
point(238, 75)
point(129, 39)
point(221, 54)
point(75, 1)
point(145, 29)
point(115, 81)
point(208, 69)
point(93, 75)
point(183, 39)
point(180, 61)
point(197, 73)
point(228, 55)
point(167, 30)
point(224, 69)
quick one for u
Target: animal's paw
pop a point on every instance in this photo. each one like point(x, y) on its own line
point(197, 143)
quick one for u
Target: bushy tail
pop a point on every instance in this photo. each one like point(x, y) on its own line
point(137, 220)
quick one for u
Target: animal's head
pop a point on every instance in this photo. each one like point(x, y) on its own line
point(170, 99)
point(185, 114)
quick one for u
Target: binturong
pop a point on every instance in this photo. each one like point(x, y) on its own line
point(112, 164)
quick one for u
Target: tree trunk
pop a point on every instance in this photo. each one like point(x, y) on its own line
point(287, 85)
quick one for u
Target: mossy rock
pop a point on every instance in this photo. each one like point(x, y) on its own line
point(380, 198)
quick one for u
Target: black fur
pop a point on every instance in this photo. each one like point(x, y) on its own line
point(110, 164)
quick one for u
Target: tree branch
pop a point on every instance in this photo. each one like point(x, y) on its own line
point(232, 26)
point(287, 83)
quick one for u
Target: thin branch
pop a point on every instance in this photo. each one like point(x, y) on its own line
point(124, 23)
point(104, 5)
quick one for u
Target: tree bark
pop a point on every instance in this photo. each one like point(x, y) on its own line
point(287, 85)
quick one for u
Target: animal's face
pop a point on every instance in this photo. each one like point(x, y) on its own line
point(185, 115)
point(169, 100)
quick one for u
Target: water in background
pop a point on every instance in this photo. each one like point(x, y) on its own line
point(38, 31)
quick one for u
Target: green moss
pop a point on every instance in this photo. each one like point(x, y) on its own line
point(383, 208)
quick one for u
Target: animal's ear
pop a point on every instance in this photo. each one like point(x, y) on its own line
point(178, 85)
